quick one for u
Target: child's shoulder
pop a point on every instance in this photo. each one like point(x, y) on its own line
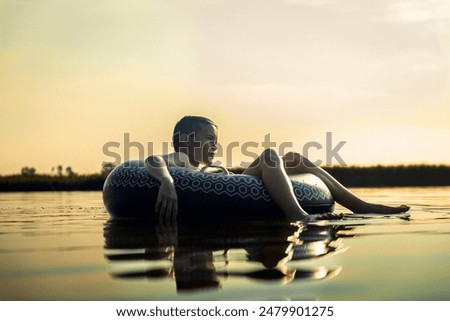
point(178, 159)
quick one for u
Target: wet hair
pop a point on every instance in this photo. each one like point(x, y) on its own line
point(189, 125)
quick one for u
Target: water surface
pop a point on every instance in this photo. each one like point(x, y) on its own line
point(62, 246)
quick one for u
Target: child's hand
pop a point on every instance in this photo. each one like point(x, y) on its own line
point(167, 203)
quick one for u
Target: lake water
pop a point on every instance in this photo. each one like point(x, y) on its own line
point(61, 246)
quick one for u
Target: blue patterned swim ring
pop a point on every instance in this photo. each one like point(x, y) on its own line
point(129, 192)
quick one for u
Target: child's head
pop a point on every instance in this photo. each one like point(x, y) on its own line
point(196, 136)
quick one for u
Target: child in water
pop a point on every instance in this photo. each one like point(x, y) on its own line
point(195, 144)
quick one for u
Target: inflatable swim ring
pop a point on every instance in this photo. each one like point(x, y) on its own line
point(129, 192)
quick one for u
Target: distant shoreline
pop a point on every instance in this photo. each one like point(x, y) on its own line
point(392, 176)
point(39, 182)
point(353, 176)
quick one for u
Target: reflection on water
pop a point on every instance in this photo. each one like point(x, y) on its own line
point(197, 258)
point(53, 247)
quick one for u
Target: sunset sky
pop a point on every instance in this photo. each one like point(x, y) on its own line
point(75, 75)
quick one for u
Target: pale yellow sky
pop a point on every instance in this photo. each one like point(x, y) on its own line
point(75, 75)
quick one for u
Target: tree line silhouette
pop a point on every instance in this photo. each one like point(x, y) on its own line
point(392, 176)
point(62, 179)
point(352, 176)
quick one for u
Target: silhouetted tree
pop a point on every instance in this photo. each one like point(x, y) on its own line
point(69, 171)
point(107, 168)
point(27, 171)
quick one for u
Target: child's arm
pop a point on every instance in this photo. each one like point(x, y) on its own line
point(167, 202)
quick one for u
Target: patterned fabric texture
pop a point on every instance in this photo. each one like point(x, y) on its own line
point(134, 175)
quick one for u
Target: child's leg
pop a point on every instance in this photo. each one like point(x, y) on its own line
point(296, 163)
point(269, 167)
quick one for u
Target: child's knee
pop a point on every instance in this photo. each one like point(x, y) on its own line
point(271, 158)
point(293, 158)
point(290, 156)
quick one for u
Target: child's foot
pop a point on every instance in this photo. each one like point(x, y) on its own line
point(305, 217)
point(382, 209)
point(325, 216)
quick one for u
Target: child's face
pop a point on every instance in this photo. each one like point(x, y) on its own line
point(204, 145)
